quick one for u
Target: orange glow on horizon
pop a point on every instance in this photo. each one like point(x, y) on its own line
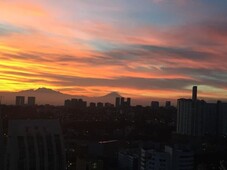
point(101, 49)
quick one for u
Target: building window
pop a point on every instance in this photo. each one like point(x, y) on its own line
point(41, 151)
point(31, 152)
point(50, 152)
point(59, 154)
point(21, 153)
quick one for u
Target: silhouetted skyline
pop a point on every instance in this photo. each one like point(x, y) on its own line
point(145, 49)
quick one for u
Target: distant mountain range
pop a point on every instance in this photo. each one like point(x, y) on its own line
point(49, 96)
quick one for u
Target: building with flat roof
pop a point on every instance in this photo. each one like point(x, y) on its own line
point(20, 100)
point(198, 118)
point(168, 104)
point(153, 159)
point(31, 101)
point(181, 157)
point(117, 102)
point(154, 105)
point(128, 159)
point(35, 145)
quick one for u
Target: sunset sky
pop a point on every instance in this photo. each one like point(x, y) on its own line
point(140, 48)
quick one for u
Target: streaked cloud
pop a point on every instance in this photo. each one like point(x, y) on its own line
point(150, 48)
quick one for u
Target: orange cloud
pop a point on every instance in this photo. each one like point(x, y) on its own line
point(44, 46)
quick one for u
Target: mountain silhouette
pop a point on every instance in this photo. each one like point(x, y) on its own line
point(112, 94)
point(49, 96)
point(40, 90)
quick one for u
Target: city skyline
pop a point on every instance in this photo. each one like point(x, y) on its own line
point(142, 49)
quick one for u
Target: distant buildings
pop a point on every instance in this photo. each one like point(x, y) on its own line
point(154, 105)
point(120, 102)
point(35, 144)
point(168, 104)
point(31, 101)
point(128, 102)
point(167, 158)
point(100, 105)
point(109, 105)
point(117, 102)
point(20, 100)
point(78, 103)
point(197, 118)
point(92, 105)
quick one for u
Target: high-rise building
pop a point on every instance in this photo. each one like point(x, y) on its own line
point(222, 118)
point(20, 100)
point(100, 105)
point(75, 103)
point(191, 117)
point(128, 102)
point(122, 101)
point(181, 157)
point(109, 105)
point(196, 117)
point(67, 103)
point(117, 102)
point(35, 144)
point(152, 159)
point(92, 105)
point(168, 104)
point(154, 105)
point(194, 93)
point(211, 119)
point(31, 101)
point(190, 114)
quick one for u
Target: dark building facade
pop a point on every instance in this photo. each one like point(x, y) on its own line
point(20, 100)
point(31, 101)
point(198, 118)
point(35, 145)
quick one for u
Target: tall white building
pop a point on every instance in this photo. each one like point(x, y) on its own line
point(222, 118)
point(152, 159)
point(169, 158)
point(181, 158)
point(35, 145)
point(191, 117)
